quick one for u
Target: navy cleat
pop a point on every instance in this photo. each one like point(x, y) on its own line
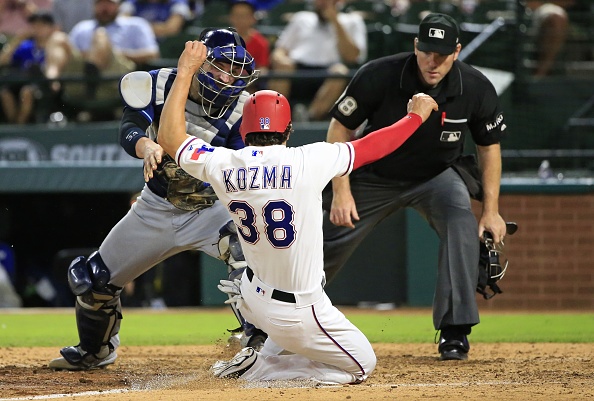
point(75, 358)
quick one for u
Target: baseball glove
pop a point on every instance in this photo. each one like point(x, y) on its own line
point(233, 290)
point(186, 192)
point(492, 263)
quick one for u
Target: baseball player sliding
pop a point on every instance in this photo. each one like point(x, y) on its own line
point(273, 194)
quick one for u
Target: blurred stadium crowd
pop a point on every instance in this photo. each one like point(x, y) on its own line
point(531, 39)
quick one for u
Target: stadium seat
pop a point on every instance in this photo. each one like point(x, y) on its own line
point(372, 11)
point(418, 9)
point(486, 11)
point(379, 38)
point(214, 15)
point(173, 46)
point(280, 14)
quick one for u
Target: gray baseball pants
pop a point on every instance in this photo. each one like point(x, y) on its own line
point(154, 230)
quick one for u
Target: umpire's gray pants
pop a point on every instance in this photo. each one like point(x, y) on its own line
point(445, 203)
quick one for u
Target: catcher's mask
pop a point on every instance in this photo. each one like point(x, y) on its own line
point(492, 262)
point(227, 56)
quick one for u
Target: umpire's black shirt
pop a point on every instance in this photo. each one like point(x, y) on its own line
point(379, 93)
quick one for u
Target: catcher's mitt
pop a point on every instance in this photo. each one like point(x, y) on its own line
point(186, 192)
point(492, 263)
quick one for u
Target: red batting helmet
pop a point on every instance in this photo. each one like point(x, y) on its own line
point(265, 111)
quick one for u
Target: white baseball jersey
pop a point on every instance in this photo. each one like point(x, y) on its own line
point(274, 196)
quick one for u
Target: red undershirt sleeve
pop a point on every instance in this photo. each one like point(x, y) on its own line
point(384, 141)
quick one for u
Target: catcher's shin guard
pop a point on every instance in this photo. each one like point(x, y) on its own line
point(233, 274)
point(96, 327)
point(98, 307)
point(232, 254)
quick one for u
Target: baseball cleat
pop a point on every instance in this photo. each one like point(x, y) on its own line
point(237, 366)
point(75, 358)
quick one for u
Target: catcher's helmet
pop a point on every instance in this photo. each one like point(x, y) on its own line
point(224, 46)
point(265, 111)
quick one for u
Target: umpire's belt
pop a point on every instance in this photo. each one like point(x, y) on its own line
point(265, 290)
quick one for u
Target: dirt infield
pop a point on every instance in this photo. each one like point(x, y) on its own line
point(409, 372)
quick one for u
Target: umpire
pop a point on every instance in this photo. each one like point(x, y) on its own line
point(426, 172)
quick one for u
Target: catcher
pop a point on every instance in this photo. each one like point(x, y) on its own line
point(175, 212)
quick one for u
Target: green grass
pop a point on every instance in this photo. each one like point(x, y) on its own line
point(139, 327)
point(494, 327)
point(206, 326)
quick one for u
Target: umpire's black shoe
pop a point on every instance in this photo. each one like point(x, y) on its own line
point(454, 347)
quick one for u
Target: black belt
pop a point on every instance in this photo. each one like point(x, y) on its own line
point(276, 294)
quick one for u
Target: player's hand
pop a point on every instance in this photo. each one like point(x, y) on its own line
point(233, 290)
point(152, 154)
point(191, 58)
point(343, 209)
point(422, 105)
point(493, 223)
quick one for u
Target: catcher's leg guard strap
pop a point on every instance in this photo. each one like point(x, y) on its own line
point(233, 274)
point(97, 325)
point(232, 255)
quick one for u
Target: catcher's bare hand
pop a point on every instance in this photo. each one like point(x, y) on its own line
point(422, 105)
point(191, 58)
point(152, 154)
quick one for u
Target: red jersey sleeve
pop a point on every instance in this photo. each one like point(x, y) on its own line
point(384, 141)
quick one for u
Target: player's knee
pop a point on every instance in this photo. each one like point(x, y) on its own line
point(370, 365)
point(90, 275)
point(363, 368)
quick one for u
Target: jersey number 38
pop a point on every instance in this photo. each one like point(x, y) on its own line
point(277, 216)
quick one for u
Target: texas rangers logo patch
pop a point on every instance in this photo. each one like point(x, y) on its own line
point(200, 152)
